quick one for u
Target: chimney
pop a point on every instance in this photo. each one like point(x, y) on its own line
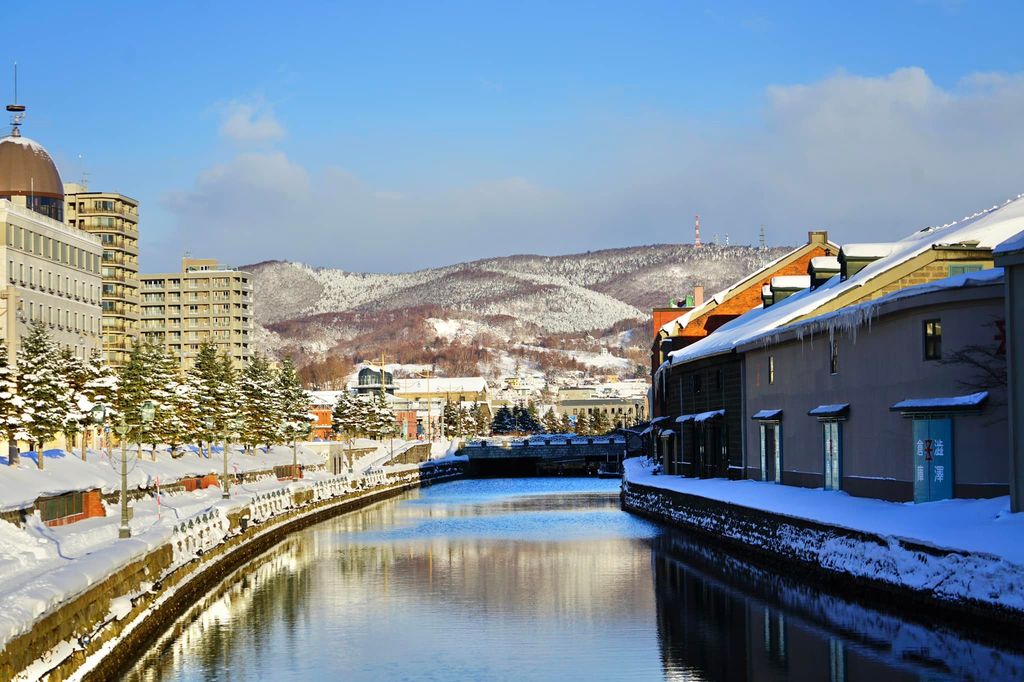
point(817, 237)
point(698, 296)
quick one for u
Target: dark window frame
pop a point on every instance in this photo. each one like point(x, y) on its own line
point(931, 339)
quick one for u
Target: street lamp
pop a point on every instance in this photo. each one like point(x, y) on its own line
point(146, 413)
point(232, 428)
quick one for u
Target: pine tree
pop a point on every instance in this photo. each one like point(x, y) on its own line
point(599, 424)
point(100, 387)
point(206, 381)
point(381, 422)
point(551, 421)
point(582, 425)
point(343, 415)
point(42, 386)
point(259, 405)
point(12, 407)
point(481, 427)
point(134, 383)
point(294, 403)
point(504, 422)
point(177, 411)
point(76, 405)
point(568, 426)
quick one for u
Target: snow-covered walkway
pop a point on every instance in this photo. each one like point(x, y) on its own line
point(979, 526)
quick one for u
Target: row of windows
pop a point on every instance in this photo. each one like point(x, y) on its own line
point(52, 282)
point(175, 297)
point(54, 249)
point(192, 309)
point(202, 283)
point(65, 319)
point(931, 344)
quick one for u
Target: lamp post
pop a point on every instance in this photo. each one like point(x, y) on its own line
point(230, 434)
point(146, 413)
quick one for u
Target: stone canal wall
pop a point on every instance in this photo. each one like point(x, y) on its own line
point(985, 590)
point(97, 634)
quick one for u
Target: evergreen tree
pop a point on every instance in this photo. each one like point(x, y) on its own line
point(259, 405)
point(76, 373)
point(12, 406)
point(133, 387)
point(294, 403)
point(100, 386)
point(551, 422)
point(599, 424)
point(42, 386)
point(481, 427)
point(381, 422)
point(206, 382)
point(177, 411)
point(582, 425)
point(567, 424)
point(343, 416)
point(504, 421)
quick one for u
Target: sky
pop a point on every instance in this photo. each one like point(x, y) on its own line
point(394, 136)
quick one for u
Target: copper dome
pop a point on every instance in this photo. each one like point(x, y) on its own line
point(26, 168)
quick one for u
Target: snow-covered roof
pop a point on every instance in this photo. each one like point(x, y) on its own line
point(960, 402)
point(868, 250)
point(441, 385)
point(717, 298)
point(766, 289)
point(767, 414)
point(988, 228)
point(825, 263)
point(1014, 243)
point(833, 410)
point(791, 282)
point(700, 416)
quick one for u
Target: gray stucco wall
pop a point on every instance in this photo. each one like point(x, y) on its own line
point(881, 365)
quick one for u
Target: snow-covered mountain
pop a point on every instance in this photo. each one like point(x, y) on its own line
point(494, 305)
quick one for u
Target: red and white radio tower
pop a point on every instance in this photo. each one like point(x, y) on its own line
point(696, 233)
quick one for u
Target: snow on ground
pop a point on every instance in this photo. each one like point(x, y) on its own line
point(21, 485)
point(464, 330)
point(41, 566)
point(971, 525)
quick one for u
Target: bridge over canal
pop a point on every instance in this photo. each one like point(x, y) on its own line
point(543, 455)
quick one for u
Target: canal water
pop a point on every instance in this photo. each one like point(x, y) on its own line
point(538, 579)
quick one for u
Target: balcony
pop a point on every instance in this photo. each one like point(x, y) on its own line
point(116, 211)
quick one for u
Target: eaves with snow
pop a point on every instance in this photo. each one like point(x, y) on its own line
point(983, 231)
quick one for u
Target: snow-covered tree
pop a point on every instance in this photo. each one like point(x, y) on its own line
point(12, 407)
point(381, 421)
point(551, 421)
point(583, 425)
point(75, 371)
point(599, 423)
point(206, 381)
point(260, 407)
point(43, 387)
point(503, 421)
point(295, 417)
point(481, 426)
point(177, 410)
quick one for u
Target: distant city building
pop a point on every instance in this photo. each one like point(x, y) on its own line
point(368, 380)
point(51, 272)
point(115, 219)
point(623, 404)
point(205, 301)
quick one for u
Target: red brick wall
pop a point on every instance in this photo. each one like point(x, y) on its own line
point(663, 316)
point(747, 299)
point(322, 428)
point(92, 506)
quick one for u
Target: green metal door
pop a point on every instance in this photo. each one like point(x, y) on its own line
point(933, 459)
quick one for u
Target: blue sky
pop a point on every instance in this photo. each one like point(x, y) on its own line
point(392, 136)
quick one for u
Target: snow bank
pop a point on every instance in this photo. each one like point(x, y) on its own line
point(979, 544)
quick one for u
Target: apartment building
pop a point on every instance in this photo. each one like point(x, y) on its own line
point(50, 272)
point(205, 301)
point(114, 218)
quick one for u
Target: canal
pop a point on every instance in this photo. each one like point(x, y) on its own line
point(538, 579)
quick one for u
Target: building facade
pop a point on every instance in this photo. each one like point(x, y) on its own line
point(845, 409)
point(51, 272)
point(114, 218)
point(206, 301)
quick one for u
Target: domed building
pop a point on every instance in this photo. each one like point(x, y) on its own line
point(28, 176)
point(50, 271)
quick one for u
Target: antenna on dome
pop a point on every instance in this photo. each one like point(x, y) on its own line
point(17, 110)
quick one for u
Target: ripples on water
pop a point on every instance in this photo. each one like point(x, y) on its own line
point(536, 579)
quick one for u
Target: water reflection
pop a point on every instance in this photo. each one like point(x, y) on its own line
point(533, 580)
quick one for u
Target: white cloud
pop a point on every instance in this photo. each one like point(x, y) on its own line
point(869, 158)
point(246, 123)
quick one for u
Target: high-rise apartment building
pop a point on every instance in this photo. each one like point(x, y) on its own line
point(114, 218)
point(205, 301)
point(49, 273)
